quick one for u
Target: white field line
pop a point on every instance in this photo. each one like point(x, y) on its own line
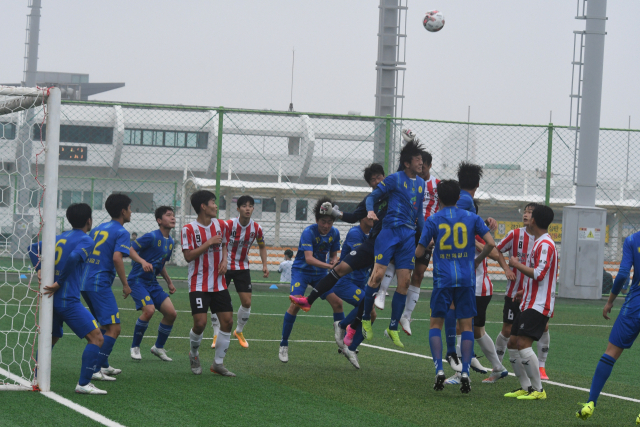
point(66, 402)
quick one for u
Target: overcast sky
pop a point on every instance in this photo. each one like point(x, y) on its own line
point(509, 60)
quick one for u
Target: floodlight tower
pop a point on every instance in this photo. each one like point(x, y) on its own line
point(390, 73)
point(584, 225)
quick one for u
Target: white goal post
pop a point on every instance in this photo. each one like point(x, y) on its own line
point(24, 314)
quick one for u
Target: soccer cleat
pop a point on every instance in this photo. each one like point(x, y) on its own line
point(638, 420)
point(476, 366)
point(465, 383)
point(454, 362)
point(534, 395)
point(195, 364)
point(367, 332)
point(161, 354)
point(111, 371)
point(219, 369)
point(394, 337)
point(89, 389)
point(348, 337)
point(213, 344)
point(543, 374)
point(352, 357)
point(379, 301)
point(135, 353)
point(338, 334)
point(495, 376)
point(101, 376)
point(300, 302)
point(406, 325)
point(440, 379)
point(454, 379)
point(587, 410)
point(284, 354)
point(240, 336)
point(518, 392)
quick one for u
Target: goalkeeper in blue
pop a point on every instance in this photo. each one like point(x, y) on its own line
point(453, 230)
point(72, 250)
point(626, 327)
point(149, 254)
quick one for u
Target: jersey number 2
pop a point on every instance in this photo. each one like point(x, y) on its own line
point(459, 228)
point(105, 236)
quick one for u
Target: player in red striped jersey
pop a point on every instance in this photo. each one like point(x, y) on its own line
point(519, 243)
point(536, 307)
point(204, 245)
point(243, 231)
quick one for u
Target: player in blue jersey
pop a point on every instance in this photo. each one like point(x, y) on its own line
point(111, 246)
point(626, 327)
point(72, 249)
point(453, 230)
point(149, 254)
point(317, 253)
point(397, 237)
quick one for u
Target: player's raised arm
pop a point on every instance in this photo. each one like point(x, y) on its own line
point(379, 191)
point(496, 255)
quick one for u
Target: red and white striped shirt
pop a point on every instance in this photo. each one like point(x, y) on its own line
point(203, 271)
point(430, 203)
point(519, 244)
point(484, 287)
point(240, 241)
point(540, 292)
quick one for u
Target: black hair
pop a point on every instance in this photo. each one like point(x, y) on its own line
point(469, 175)
point(116, 203)
point(78, 214)
point(160, 211)
point(316, 208)
point(543, 216)
point(288, 253)
point(448, 192)
point(201, 197)
point(371, 170)
point(410, 150)
point(531, 205)
point(426, 157)
point(242, 200)
point(477, 205)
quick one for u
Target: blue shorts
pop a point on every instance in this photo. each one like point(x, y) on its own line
point(147, 293)
point(625, 331)
point(347, 291)
point(300, 281)
point(76, 316)
point(398, 244)
point(464, 299)
point(103, 306)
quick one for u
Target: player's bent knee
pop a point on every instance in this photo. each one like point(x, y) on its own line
point(342, 269)
point(95, 337)
point(147, 312)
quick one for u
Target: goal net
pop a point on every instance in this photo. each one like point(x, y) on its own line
point(28, 185)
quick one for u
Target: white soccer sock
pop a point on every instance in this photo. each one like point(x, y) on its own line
point(518, 369)
point(543, 348)
point(387, 278)
point(489, 350)
point(458, 342)
point(194, 340)
point(530, 362)
point(243, 318)
point(222, 344)
point(501, 346)
point(215, 324)
point(412, 298)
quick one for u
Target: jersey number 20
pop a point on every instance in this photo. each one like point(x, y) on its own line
point(459, 231)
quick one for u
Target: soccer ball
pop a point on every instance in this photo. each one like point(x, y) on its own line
point(433, 21)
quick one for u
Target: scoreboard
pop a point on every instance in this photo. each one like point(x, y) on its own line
point(73, 153)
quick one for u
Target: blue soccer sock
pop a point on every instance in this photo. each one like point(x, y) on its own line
point(466, 349)
point(337, 317)
point(349, 318)
point(163, 334)
point(435, 342)
point(105, 351)
point(450, 330)
point(138, 332)
point(369, 299)
point(357, 339)
point(397, 308)
point(90, 357)
point(287, 326)
point(603, 370)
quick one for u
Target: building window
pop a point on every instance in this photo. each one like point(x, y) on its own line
point(72, 133)
point(67, 197)
point(269, 205)
point(301, 210)
point(294, 146)
point(7, 130)
point(159, 138)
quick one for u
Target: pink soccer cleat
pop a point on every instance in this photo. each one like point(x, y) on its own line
point(348, 338)
point(301, 302)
